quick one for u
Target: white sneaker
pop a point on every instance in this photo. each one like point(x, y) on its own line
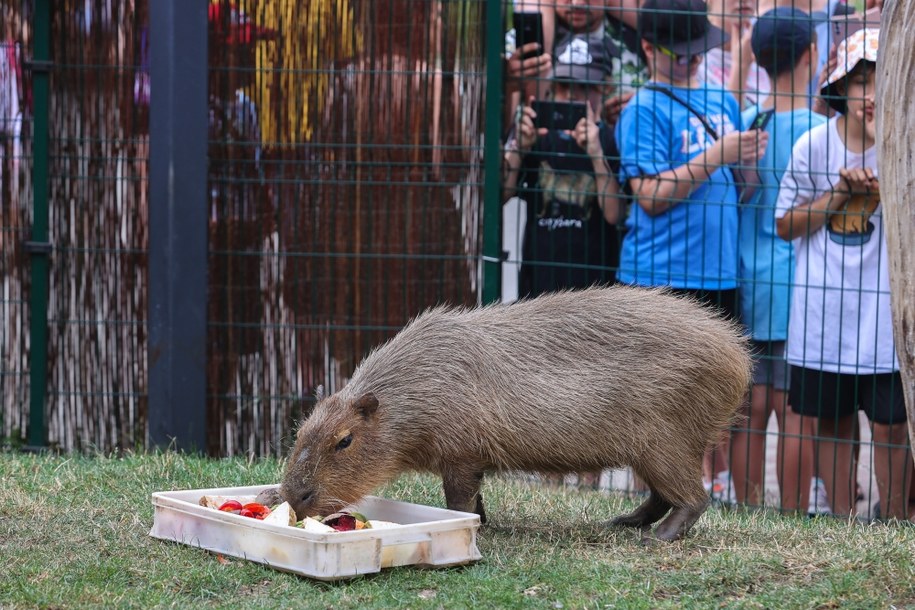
point(723, 488)
point(707, 484)
point(819, 502)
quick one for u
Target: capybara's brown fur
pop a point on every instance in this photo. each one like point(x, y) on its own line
point(572, 381)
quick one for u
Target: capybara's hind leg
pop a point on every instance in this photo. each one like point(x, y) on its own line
point(679, 521)
point(679, 479)
point(647, 513)
point(462, 492)
point(685, 513)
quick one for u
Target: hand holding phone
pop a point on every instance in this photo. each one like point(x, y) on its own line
point(761, 120)
point(558, 115)
point(528, 28)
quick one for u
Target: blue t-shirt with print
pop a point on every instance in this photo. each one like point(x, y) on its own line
point(766, 260)
point(692, 245)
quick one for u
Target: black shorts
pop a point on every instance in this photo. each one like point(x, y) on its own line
point(725, 301)
point(833, 395)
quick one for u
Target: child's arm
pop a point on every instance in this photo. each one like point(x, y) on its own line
point(808, 218)
point(658, 194)
point(797, 212)
point(802, 216)
point(742, 61)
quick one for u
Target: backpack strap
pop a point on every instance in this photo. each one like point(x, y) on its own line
point(708, 128)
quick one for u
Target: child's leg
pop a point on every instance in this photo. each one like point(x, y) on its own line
point(748, 447)
point(715, 461)
point(795, 458)
point(834, 453)
point(892, 468)
point(883, 401)
point(831, 401)
point(794, 466)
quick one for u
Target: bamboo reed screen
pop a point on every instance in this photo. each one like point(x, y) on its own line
point(344, 197)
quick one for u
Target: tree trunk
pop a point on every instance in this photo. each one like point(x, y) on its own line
point(896, 139)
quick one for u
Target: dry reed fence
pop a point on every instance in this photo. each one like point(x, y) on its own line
point(15, 220)
point(348, 201)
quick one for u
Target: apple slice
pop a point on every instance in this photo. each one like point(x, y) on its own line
point(281, 515)
point(314, 526)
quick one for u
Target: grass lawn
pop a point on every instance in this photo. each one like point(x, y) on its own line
point(73, 534)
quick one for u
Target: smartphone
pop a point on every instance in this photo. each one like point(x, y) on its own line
point(528, 28)
point(558, 115)
point(761, 120)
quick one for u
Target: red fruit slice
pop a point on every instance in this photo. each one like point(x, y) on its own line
point(231, 506)
point(258, 511)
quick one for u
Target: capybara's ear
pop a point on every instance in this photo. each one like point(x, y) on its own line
point(366, 404)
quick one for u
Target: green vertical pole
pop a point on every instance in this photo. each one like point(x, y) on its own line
point(492, 155)
point(39, 247)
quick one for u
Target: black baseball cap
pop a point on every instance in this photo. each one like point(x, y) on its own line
point(680, 26)
point(780, 36)
point(584, 59)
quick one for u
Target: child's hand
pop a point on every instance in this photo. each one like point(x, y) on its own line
point(527, 133)
point(613, 107)
point(858, 181)
point(745, 51)
point(869, 120)
point(519, 68)
point(743, 148)
point(820, 105)
point(587, 134)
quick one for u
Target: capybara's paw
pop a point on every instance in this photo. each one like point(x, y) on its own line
point(677, 523)
point(663, 534)
point(648, 538)
point(269, 497)
point(633, 519)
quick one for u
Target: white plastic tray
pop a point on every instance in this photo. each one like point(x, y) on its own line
point(427, 536)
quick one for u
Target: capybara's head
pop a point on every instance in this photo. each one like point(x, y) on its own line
point(336, 458)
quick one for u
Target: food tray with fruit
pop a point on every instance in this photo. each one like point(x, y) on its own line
point(374, 534)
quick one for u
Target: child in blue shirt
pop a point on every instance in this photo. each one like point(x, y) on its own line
point(677, 140)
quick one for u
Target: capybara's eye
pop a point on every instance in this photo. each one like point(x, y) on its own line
point(345, 442)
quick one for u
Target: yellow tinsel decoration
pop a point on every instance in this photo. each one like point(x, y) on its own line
point(312, 34)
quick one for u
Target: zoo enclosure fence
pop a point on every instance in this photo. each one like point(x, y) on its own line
point(345, 193)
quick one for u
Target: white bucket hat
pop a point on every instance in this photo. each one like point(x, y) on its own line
point(860, 46)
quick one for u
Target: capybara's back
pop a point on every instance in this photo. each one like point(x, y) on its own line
point(571, 381)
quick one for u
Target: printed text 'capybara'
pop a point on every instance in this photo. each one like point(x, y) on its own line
point(566, 382)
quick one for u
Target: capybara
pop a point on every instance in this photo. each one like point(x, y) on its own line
point(565, 382)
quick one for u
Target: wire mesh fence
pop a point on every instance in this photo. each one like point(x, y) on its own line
point(343, 199)
point(728, 151)
point(662, 143)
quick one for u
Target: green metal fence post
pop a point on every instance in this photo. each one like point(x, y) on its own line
point(492, 156)
point(38, 246)
point(177, 318)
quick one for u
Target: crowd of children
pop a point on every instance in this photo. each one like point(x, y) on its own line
point(729, 154)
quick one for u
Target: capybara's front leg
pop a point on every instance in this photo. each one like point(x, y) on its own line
point(647, 513)
point(462, 491)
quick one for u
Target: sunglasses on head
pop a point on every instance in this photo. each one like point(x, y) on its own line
point(680, 60)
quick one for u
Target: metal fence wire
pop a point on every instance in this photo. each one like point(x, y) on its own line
point(344, 197)
point(345, 194)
